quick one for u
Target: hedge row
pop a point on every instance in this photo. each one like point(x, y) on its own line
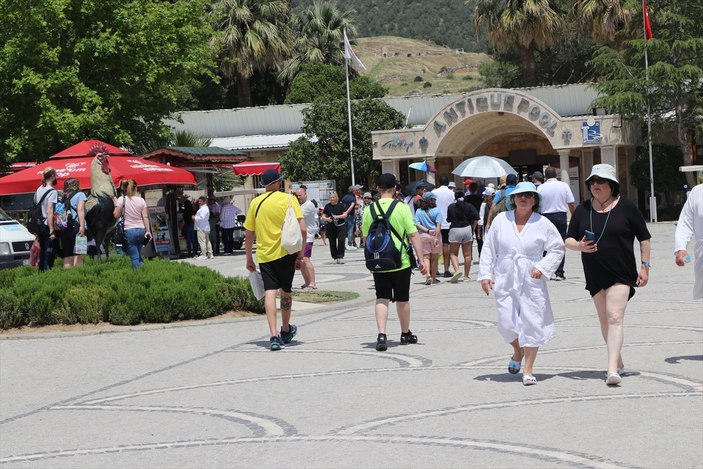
point(160, 291)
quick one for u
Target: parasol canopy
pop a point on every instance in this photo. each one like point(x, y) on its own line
point(250, 168)
point(83, 149)
point(410, 188)
point(423, 166)
point(145, 172)
point(483, 167)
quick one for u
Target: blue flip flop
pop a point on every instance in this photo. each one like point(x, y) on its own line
point(514, 366)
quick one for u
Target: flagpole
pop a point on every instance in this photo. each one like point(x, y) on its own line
point(349, 119)
point(652, 196)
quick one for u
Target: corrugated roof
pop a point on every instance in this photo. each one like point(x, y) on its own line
point(279, 122)
point(204, 151)
point(256, 142)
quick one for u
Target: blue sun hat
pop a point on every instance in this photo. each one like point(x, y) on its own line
point(522, 188)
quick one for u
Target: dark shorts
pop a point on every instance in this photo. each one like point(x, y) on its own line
point(68, 240)
point(445, 237)
point(308, 250)
point(279, 273)
point(394, 286)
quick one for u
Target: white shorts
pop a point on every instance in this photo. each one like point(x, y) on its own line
point(461, 235)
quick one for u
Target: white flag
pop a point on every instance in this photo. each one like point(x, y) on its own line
point(350, 55)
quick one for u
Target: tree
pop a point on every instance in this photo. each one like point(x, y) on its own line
point(251, 35)
point(606, 20)
point(319, 36)
point(323, 153)
point(321, 81)
point(524, 24)
point(107, 69)
point(674, 91)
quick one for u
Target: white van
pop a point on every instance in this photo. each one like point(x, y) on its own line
point(15, 242)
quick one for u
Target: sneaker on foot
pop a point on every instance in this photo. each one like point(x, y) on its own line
point(276, 343)
point(340, 260)
point(613, 379)
point(436, 281)
point(447, 274)
point(408, 338)
point(288, 336)
point(428, 281)
point(381, 343)
point(351, 248)
point(200, 258)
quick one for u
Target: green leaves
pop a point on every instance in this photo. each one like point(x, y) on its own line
point(107, 69)
point(324, 151)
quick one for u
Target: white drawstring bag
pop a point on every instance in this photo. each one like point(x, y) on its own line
point(291, 237)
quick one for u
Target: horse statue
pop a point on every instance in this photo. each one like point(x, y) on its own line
point(99, 207)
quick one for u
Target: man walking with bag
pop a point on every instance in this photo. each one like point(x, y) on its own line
point(265, 219)
point(394, 284)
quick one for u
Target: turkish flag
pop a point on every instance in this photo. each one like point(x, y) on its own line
point(647, 27)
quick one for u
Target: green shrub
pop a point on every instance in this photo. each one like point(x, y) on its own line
point(161, 291)
point(450, 76)
point(427, 84)
point(418, 78)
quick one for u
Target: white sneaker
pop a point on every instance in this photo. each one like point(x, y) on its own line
point(351, 248)
point(210, 256)
point(200, 258)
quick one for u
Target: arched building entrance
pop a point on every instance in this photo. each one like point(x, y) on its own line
point(515, 126)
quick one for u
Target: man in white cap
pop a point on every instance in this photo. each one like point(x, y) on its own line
point(265, 219)
point(557, 198)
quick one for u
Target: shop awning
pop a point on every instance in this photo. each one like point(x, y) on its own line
point(249, 168)
point(144, 172)
point(83, 149)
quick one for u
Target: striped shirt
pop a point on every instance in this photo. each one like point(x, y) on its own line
point(228, 215)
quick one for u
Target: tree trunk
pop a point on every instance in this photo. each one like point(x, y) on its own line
point(685, 138)
point(243, 91)
point(527, 60)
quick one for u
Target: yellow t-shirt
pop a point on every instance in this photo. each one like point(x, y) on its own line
point(401, 220)
point(268, 224)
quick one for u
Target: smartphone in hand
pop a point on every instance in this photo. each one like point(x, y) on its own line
point(590, 235)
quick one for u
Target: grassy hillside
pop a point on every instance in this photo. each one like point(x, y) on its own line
point(444, 22)
point(407, 66)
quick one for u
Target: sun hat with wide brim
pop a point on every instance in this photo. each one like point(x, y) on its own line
point(522, 188)
point(604, 171)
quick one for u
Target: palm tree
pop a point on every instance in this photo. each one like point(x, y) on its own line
point(526, 24)
point(319, 36)
point(605, 20)
point(251, 35)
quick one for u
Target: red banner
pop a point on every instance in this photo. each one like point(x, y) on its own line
point(647, 27)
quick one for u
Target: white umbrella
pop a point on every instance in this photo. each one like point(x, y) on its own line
point(483, 167)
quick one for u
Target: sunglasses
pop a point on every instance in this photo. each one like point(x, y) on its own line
point(528, 195)
point(597, 180)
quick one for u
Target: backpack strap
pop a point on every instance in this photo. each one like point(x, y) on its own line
point(262, 202)
point(42, 197)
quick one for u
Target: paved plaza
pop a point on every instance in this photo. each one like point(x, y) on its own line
point(211, 394)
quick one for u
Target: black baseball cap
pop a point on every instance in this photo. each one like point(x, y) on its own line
point(387, 181)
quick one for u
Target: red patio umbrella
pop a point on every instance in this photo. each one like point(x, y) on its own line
point(83, 149)
point(145, 172)
point(248, 168)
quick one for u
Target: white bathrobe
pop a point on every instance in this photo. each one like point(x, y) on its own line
point(691, 225)
point(524, 309)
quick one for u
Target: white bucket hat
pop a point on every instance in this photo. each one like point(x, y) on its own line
point(522, 188)
point(604, 171)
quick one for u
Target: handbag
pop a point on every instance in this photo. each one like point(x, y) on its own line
point(291, 237)
point(118, 236)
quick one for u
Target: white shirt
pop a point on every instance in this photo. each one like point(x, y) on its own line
point(201, 219)
point(445, 197)
point(556, 196)
point(51, 198)
point(691, 225)
point(228, 215)
point(310, 216)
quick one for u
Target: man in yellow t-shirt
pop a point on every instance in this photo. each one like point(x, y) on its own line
point(265, 219)
point(394, 285)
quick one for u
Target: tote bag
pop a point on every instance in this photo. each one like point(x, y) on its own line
point(291, 237)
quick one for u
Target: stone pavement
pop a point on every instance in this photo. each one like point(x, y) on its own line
point(211, 394)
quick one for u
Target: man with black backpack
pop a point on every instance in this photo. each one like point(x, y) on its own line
point(46, 196)
point(388, 220)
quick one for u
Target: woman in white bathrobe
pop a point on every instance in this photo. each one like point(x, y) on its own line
point(513, 253)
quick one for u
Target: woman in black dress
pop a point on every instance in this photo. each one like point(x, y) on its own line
point(335, 217)
point(603, 229)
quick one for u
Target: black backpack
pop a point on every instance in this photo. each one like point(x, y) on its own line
point(36, 219)
point(379, 249)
